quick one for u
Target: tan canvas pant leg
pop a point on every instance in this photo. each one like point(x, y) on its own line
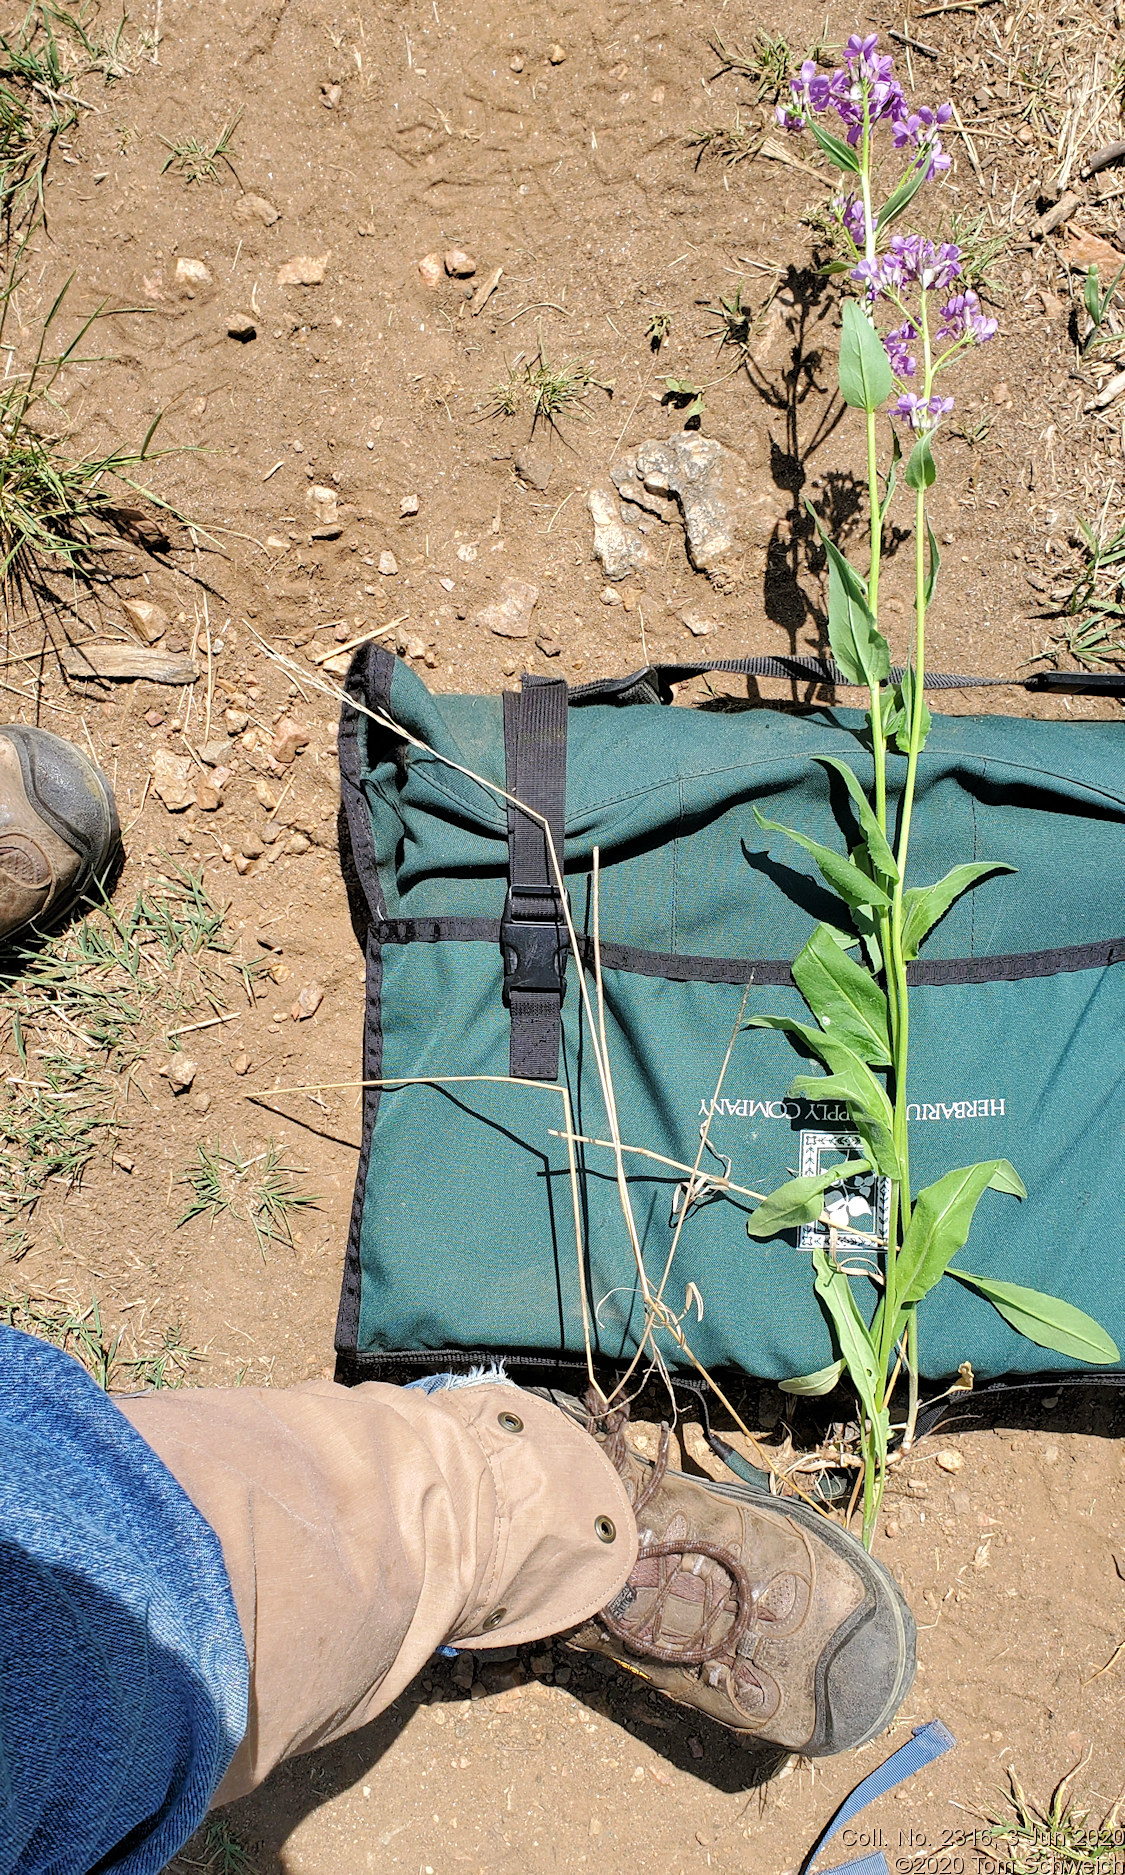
point(364, 1526)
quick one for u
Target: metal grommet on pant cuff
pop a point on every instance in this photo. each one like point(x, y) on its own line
point(509, 1422)
point(605, 1529)
point(493, 1620)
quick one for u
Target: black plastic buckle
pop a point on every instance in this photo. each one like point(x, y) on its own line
point(534, 948)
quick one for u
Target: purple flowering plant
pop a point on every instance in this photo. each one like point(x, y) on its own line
point(911, 315)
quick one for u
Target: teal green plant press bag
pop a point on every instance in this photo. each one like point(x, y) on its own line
point(463, 1238)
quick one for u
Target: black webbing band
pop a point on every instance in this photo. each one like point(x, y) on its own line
point(533, 936)
point(654, 685)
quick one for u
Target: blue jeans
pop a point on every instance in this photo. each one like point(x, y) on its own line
point(123, 1674)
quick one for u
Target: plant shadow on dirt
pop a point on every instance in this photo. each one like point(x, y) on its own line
point(795, 552)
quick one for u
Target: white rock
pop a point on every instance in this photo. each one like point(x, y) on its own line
point(192, 273)
point(180, 1073)
point(431, 270)
point(388, 565)
point(619, 548)
point(408, 505)
point(303, 270)
point(324, 500)
point(172, 779)
point(509, 616)
point(726, 511)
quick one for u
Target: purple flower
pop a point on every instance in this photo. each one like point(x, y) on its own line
point(908, 258)
point(920, 129)
point(962, 319)
point(895, 344)
point(850, 210)
point(922, 413)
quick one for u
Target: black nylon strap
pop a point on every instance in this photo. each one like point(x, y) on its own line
point(654, 685)
point(533, 936)
point(682, 967)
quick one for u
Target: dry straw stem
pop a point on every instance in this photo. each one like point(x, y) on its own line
point(657, 1312)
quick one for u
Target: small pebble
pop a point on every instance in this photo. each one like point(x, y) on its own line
point(242, 328)
point(179, 1073)
point(408, 505)
point(241, 1063)
point(330, 96)
point(430, 270)
point(388, 565)
point(609, 595)
point(149, 621)
point(153, 718)
point(208, 797)
point(515, 64)
point(256, 208)
point(556, 54)
point(289, 739)
point(891, 1528)
point(191, 274)
point(201, 1103)
point(236, 721)
point(949, 1460)
point(307, 1003)
point(298, 843)
point(458, 264)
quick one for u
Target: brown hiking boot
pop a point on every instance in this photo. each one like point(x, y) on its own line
point(757, 1610)
point(58, 826)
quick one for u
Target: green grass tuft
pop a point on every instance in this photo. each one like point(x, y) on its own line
point(258, 1190)
point(197, 161)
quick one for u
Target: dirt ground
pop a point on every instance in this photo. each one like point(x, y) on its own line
point(554, 146)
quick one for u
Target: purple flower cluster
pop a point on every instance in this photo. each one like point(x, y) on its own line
point(961, 318)
point(922, 413)
point(909, 258)
point(903, 363)
point(866, 85)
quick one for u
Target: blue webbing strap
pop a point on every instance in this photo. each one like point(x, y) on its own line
point(928, 1742)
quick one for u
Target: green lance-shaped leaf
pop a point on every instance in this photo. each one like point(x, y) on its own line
point(854, 886)
point(940, 1224)
point(935, 562)
point(905, 699)
point(902, 197)
point(852, 1332)
point(858, 646)
point(841, 153)
point(866, 378)
point(798, 1201)
point(920, 471)
point(813, 1386)
point(878, 848)
point(923, 905)
point(868, 1108)
point(1046, 1320)
point(844, 997)
point(892, 472)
